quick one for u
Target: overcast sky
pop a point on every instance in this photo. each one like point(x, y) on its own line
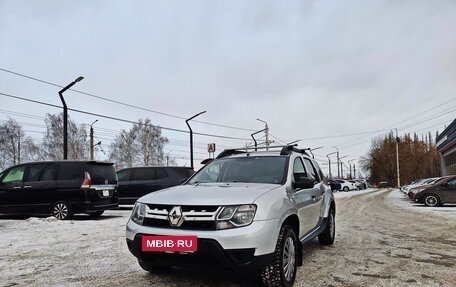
point(329, 73)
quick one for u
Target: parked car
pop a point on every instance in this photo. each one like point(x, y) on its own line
point(335, 185)
point(441, 192)
point(245, 211)
point(138, 181)
point(383, 184)
point(356, 184)
point(58, 188)
point(406, 188)
point(346, 185)
point(362, 183)
point(424, 183)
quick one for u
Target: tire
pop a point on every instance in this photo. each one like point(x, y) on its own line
point(282, 270)
point(153, 268)
point(96, 214)
point(329, 233)
point(431, 200)
point(346, 188)
point(62, 210)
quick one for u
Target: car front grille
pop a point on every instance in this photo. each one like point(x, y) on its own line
point(192, 217)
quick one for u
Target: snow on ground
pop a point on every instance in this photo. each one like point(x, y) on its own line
point(36, 251)
point(398, 198)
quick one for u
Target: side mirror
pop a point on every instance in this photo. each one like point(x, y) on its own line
point(304, 183)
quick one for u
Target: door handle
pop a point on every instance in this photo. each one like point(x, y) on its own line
point(17, 187)
point(28, 186)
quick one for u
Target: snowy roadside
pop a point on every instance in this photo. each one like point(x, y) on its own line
point(398, 198)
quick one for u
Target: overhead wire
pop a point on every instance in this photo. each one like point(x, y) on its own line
point(120, 103)
point(121, 120)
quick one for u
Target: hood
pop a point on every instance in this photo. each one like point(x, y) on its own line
point(209, 194)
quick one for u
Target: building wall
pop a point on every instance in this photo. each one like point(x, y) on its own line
point(446, 146)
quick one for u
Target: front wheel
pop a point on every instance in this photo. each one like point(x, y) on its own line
point(432, 200)
point(328, 235)
point(282, 270)
point(346, 188)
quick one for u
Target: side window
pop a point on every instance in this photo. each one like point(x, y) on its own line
point(161, 173)
point(48, 173)
point(41, 172)
point(15, 175)
point(319, 171)
point(452, 183)
point(298, 169)
point(124, 175)
point(70, 170)
point(311, 172)
point(145, 174)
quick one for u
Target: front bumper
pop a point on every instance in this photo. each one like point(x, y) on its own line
point(209, 254)
point(245, 248)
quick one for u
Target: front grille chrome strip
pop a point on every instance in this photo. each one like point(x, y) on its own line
point(199, 214)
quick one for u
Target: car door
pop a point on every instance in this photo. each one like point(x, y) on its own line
point(40, 185)
point(304, 199)
point(11, 186)
point(450, 191)
point(144, 181)
point(124, 178)
point(163, 179)
point(317, 190)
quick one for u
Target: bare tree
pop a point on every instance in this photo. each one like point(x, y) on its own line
point(417, 159)
point(150, 142)
point(123, 150)
point(53, 140)
point(142, 145)
point(15, 147)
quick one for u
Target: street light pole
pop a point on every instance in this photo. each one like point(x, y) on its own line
point(351, 169)
point(338, 162)
point(191, 137)
point(397, 161)
point(65, 117)
point(266, 130)
point(329, 160)
point(91, 140)
point(341, 166)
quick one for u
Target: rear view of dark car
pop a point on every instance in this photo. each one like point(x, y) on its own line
point(138, 181)
point(58, 188)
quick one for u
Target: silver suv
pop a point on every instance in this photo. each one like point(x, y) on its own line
point(247, 210)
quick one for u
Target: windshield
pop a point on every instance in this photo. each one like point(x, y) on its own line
point(260, 169)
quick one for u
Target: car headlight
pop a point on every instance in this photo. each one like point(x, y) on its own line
point(235, 216)
point(138, 213)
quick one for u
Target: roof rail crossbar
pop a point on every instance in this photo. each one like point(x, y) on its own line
point(285, 150)
point(229, 152)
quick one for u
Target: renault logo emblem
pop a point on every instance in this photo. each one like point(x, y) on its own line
point(175, 216)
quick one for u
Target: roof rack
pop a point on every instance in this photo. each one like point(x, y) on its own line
point(285, 150)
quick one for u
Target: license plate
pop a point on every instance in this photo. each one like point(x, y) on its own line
point(105, 192)
point(169, 243)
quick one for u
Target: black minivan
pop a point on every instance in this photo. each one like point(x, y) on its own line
point(138, 181)
point(58, 188)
